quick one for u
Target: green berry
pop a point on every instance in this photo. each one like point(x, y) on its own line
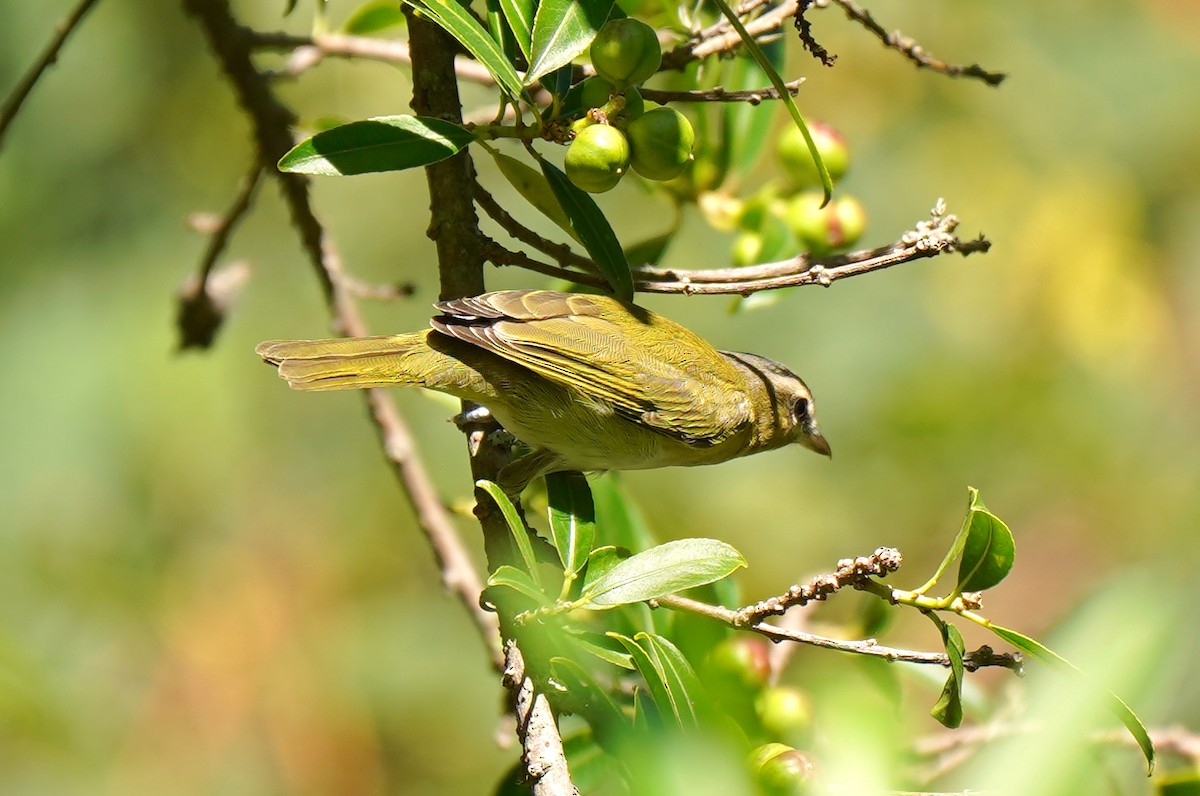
point(786, 773)
point(626, 52)
point(739, 661)
point(785, 713)
point(661, 141)
point(597, 158)
point(822, 229)
point(797, 161)
point(761, 755)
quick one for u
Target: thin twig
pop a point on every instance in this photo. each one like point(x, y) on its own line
point(308, 51)
point(499, 255)
point(62, 32)
point(721, 37)
point(220, 232)
point(231, 44)
point(976, 659)
point(719, 94)
point(913, 51)
point(929, 238)
point(559, 251)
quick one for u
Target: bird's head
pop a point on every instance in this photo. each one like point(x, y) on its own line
point(783, 405)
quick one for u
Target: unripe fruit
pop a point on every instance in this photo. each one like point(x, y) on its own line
point(797, 160)
point(786, 773)
point(635, 106)
point(739, 661)
point(761, 755)
point(626, 52)
point(597, 158)
point(661, 141)
point(747, 249)
point(823, 229)
point(785, 713)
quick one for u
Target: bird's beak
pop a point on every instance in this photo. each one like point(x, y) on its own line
point(815, 441)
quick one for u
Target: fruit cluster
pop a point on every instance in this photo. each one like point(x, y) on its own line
point(777, 717)
point(818, 230)
point(618, 132)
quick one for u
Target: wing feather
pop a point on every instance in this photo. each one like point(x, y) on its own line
point(667, 379)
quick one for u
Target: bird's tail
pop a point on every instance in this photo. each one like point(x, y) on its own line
point(357, 362)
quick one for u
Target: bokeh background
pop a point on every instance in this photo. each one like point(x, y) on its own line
point(210, 584)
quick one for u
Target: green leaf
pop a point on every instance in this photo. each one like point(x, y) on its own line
point(594, 644)
point(458, 22)
point(372, 17)
point(682, 685)
point(562, 29)
point(948, 710)
point(385, 143)
point(517, 526)
point(593, 230)
point(601, 560)
point(534, 187)
point(513, 578)
point(1114, 703)
point(668, 568)
point(650, 670)
point(988, 553)
point(519, 14)
point(572, 518)
point(960, 541)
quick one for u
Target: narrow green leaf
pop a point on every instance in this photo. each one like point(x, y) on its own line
point(572, 518)
point(960, 541)
point(593, 230)
point(519, 14)
point(289, 7)
point(594, 644)
point(516, 526)
point(535, 188)
point(682, 685)
point(650, 670)
point(458, 22)
point(385, 143)
point(562, 29)
point(665, 569)
point(772, 74)
point(1114, 703)
point(948, 710)
point(372, 17)
point(988, 553)
point(513, 578)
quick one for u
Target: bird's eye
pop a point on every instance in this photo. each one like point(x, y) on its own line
point(801, 409)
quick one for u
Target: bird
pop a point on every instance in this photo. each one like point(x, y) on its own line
point(588, 382)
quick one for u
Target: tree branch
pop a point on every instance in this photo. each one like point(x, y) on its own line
point(62, 32)
point(976, 659)
point(271, 121)
point(910, 49)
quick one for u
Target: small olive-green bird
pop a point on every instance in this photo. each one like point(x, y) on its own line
point(588, 382)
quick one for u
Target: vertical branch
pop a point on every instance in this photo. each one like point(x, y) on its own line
point(272, 133)
point(454, 228)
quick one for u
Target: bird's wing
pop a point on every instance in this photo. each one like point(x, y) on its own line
point(668, 379)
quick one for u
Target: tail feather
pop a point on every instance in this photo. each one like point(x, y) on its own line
point(350, 363)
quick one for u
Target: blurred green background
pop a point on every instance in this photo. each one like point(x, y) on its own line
point(210, 584)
